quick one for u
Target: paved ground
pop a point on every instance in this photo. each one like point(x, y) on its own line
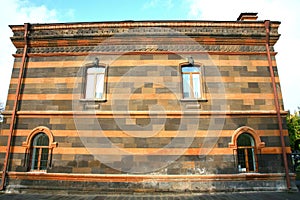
point(227, 196)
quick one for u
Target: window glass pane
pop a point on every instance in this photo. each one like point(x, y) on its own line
point(241, 158)
point(251, 159)
point(40, 139)
point(190, 69)
point(196, 86)
point(43, 140)
point(90, 87)
point(96, 70)
point(34, 158)
point(44, 159)
point(245, 140)
point(186, 85)
point(99, 86)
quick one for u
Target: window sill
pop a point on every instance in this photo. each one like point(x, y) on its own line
point(37, 171)
point(193, 100)
point(93, 100)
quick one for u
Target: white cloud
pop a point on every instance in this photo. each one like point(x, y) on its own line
point(38, 14)
point(276, 10)
point(16, 12)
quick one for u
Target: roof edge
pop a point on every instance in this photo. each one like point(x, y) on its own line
point(148, 23)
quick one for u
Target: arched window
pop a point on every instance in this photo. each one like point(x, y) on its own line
point(39, 147)
point(246, 144)
point(246, 153)
point(39, 155)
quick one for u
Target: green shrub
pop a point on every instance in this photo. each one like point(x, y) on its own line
point(298, 172)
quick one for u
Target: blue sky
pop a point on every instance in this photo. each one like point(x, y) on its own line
point(47, 11)
point(114, 10)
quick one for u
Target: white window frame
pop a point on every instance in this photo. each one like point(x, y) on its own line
point(198, 95)
point(92, 75)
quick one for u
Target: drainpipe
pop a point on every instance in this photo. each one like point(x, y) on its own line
point(15, 107)
point(276, 99)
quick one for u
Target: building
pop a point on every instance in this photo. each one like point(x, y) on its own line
point(143, 106)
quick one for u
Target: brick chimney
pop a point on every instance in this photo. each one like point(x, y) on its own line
point(247, 17)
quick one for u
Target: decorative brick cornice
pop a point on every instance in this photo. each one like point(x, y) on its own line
point(146, 27)
point(107, 32)
point(144, 48)
point(241, 32)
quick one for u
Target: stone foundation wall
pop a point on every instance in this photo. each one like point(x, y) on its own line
point(79, 184)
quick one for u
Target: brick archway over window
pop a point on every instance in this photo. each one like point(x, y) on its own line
point(39, 148)
point(246, 129)
point(37, 130)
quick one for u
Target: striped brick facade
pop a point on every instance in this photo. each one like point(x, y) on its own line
point(144, 135)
